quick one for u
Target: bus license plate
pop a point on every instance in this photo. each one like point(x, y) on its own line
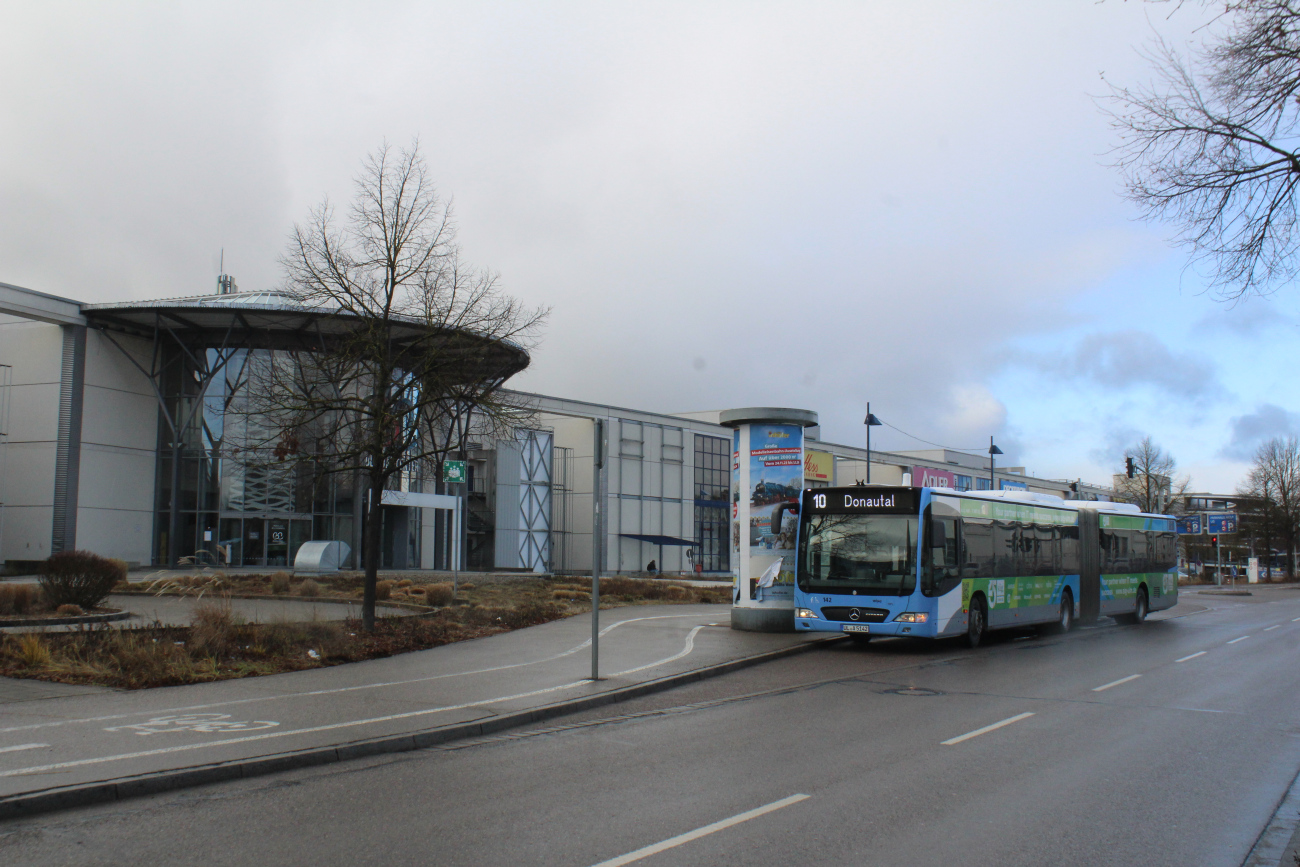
point(855, 627)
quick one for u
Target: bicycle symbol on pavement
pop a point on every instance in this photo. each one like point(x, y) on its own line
point(208, 723)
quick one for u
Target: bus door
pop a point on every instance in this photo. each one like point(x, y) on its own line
point(1089, 566)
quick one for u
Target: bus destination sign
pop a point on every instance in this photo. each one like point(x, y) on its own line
point(860, 500)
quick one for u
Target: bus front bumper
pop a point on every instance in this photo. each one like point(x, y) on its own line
point(891, 627)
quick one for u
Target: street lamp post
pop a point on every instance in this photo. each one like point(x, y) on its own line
point(993, 450)
point(870, 421)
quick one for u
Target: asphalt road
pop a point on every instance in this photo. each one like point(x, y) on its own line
point(1168, 743)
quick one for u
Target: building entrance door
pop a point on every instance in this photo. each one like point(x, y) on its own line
point(254, 541)
point(277, 542)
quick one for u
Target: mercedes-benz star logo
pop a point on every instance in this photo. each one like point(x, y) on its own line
point(855, 614)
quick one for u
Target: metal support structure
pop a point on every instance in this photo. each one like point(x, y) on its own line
point(6, 386)
point(597, 540)
point(176, 425)
point(870, 421)
point(993, 450)
point(1218, 562)
point(67, 460)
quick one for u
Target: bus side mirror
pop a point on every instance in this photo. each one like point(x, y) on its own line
point(778, 514)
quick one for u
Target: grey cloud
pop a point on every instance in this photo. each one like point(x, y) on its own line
point(1116, 440)
point(1249, 318)
point(1131, 359)
point(1248, 431)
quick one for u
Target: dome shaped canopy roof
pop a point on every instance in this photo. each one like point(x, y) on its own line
point(274, 319)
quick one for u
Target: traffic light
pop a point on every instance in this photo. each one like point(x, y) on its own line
point(1128, 467)
point(1214, 540)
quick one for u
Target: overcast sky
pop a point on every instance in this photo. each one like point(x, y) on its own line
point(801, 204)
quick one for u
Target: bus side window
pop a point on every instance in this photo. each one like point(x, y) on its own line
point(978, 538)
point(944, 553)
point(1070, 550)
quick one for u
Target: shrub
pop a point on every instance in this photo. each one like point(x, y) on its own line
point(309, 588)
point(438, 594)
point(78, 578)
point(383, 589)
point(465, 585)
point(211, 626)
point(69, 611)
point(405, 582)
point(17, 598)
point(280, 582)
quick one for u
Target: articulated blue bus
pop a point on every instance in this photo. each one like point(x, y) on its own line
point(933, 562)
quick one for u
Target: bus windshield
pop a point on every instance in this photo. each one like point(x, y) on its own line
point(872, 554)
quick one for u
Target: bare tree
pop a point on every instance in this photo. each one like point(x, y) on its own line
point(1212, 145)
point(1275, 477)
point(1153, 486)
point(425, 343)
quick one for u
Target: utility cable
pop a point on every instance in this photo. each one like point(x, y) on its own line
point(976, 452)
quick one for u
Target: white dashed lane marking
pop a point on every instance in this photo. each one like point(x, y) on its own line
point(1193, 656)
point(1235, 640)
point(1116, 682)
point(671, 842)
point(985, 730)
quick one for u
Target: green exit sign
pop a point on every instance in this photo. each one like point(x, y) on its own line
point(453, 472)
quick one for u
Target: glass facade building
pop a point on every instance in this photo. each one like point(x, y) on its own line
point(712, 502)
point(226, 492)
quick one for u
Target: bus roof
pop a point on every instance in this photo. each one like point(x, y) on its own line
point(1050, 501)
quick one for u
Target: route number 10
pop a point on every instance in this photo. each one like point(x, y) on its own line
point(819, 501)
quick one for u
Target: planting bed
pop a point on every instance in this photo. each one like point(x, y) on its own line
point(216, 646)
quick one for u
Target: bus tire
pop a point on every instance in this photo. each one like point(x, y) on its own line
point(1140, 609)
point(977, 621)
point(1143, 607)
point(1065, 619)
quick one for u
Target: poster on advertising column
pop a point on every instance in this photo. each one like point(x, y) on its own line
point(735, 496)
point(776, 470)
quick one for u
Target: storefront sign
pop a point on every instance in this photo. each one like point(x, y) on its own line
point(818, 467)
point(928, 477)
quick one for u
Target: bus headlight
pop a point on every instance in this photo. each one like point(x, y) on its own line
point(806, 613)
point(911, 617)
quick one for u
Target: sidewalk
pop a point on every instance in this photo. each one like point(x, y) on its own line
point(63, 746)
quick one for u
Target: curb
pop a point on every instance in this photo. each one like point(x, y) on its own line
point(120, 789)
point(68, 621)
point(1279, 834)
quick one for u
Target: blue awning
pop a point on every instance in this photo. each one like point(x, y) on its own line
point(659, 540)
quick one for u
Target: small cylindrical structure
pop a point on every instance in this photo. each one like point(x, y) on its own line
point(767, 466)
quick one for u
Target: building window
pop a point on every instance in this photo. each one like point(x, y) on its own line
point(712, 500)
point(982, 484)
point(965, 483)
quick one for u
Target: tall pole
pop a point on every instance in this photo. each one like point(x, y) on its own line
point(597, 541)
point(991, 453)
point(868, 442)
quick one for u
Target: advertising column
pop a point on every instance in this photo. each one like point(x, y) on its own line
point(767, 470)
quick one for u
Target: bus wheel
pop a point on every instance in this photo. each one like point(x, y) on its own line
point(1065, 620)
point(1140, 609)
point(977, 622)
